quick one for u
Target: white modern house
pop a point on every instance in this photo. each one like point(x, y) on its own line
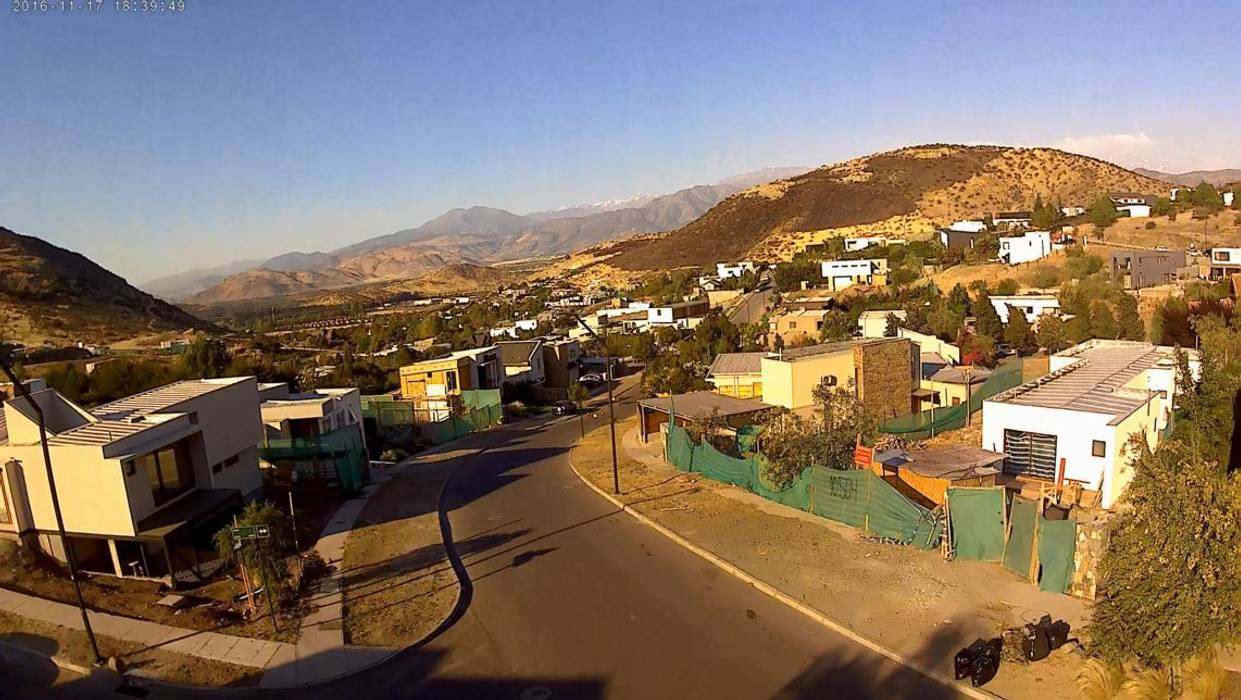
point(874, 323)
point(1135, 211)
point(1135, 206)
point(1074, 424)
point(864, 242)
point(1028, 247)
point(313, 433)
point(1223, 262)
point(1229, 198)
point(1072, 211)
point(683, 315)
point(1032, 305)
point(968, 226)
point(842, 274)
point(1011, 219)
point(737, 269)
point(142, 482)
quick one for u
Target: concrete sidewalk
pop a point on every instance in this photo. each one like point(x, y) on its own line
point(321, 653)
point(243, 651)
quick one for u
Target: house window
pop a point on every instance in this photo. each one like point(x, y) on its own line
point(1098, 448)
point(450, 379)
point(169, 472)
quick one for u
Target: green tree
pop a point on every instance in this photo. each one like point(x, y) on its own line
point(986, 318)
point(1043, 216)
point(892, 325)
point(1017, 332)
point(1006, 287)
point(836, 326)
point(205, 358)
point(946, 322)
point(958, 300)
point(1128, 319)
point(255, 554)
point(1052, 335)
point(1102, 213)
point(1103, 321)
point(1205, 195)
point(1078, 329)
point(1172, 567)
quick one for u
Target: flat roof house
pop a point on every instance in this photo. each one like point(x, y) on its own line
point(143, 482)
point(1135, 269)
point(881, 370)
point(317, 434)
point(959, 240)
point(1028, 247)
point(561, 362)
point(874, 323)
point(478, 368)
point(1011, 219)
point(842, 274)
point(795, 327)
point(684, 314)
point(1032, 305)
point(1074, 423)
point(1223, 262)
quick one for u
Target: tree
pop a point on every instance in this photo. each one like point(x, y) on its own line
point(958, 300)
point(1045, 276)
point(892, 325)
point(946, 322)
point(1172, 567)
point(791, 442)
point(578, 394)
point(836, 326)
point(256, 554)
point(1102, 213)
point(1103, 322)
point(205, 358)
point(1006, 287)
point(1017, 331)
point(1129, 321)
point(986, 318)
point(1051, 334)
point(1078, 329)
point(1043, 216)
point(1205, 195)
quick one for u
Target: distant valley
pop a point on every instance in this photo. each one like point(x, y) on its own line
point(475, 236)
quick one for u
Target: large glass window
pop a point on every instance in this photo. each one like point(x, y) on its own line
point(169, 472)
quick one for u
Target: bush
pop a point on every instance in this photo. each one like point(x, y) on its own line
point(1006, 287)
point(393, 455)
point(1045, 276)
point(1150, 225)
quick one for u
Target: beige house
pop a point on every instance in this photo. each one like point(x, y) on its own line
point(313, 433)
point(795, 327)
point(881, 371)
point(561, 362)
point(143, 482)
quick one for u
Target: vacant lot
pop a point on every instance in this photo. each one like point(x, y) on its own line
point(906, 599)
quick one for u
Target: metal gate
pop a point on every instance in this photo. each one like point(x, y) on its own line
point(1030, 454)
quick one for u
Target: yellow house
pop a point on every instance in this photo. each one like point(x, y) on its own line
point(738, 374)
point(881, 371)
point(449, 375)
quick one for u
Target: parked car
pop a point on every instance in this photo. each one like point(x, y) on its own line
point(592, 378)
point(564, 408)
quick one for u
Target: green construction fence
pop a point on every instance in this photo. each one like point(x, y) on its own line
point(976, 522)
point(929, 423)
point(855, 497)
point(982, 531)
point(344, 447)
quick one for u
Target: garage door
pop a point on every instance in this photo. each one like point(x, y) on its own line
point(1030, 454)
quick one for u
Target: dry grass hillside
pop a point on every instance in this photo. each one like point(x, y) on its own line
point(49, 294)
point(906, 192)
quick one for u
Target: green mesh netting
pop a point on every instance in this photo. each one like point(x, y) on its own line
point(1057, 540)
point(854, 497)
point(976, 521)
point(344, 447)
point(747, 438)
point(1019, 550)
point(926, 424)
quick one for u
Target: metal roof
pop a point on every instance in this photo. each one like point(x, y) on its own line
point(104, 432)
point(737, 363)
point(703, 403)
point(828, 348)
point(956, 375)
point(517, 352)
point(1093, 384)
point(161, 399)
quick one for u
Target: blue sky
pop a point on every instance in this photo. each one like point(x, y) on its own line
point(155, 144)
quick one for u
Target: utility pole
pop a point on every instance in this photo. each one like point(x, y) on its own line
point(607, 371)
point(70, 557)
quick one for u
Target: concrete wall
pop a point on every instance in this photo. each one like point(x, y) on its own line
point(791, 383)
point(930, 343)
point(232, 426)
point(93, 491)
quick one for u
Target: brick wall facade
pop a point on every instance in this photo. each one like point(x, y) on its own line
point(885, 376)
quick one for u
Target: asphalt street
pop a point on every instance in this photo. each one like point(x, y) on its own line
point(569, 598)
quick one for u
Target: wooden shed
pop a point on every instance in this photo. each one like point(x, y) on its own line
point(696, 406)
point(925, 475)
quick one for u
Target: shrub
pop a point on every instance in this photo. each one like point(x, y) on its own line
point(1150, 225)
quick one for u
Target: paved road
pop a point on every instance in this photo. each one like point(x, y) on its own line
point(572, 599)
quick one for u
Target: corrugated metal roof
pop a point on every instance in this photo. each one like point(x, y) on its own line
point(103, 432)
point(704, 403)
point(159, 399)
point(737, 363)
point(1093, 384)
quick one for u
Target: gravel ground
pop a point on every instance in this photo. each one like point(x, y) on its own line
point(906, 599)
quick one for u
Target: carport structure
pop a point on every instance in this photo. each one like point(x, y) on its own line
point(697, 406)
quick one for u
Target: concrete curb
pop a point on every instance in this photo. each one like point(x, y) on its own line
point(59, 661)
point(777, 594)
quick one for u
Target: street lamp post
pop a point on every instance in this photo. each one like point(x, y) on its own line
point(607, 372)
point(70, 557)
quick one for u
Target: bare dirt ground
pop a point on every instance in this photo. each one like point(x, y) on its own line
point(398, 583)
point(214, 607)
point(73, 646)
point(895, 595)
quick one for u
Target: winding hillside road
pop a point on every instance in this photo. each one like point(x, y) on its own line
point(570, 598)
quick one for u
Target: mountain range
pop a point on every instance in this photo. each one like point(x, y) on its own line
point(51, 294)
point(474, 235)
point(1219, 178)
point(902, 193)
